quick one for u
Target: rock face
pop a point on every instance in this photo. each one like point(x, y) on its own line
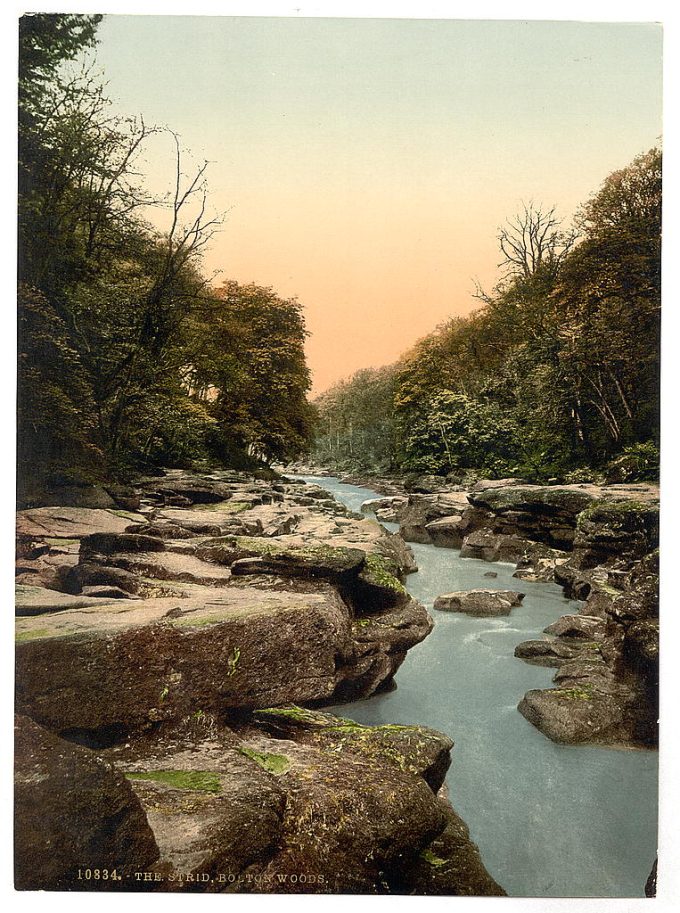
point(627, 529)
point(549, 514)
point(143, 666)
point(388, 509)
point(479, 602)
point(296, 801)
point(598, 542)
point(73, 812)
point(608, 663)
point(421, 511)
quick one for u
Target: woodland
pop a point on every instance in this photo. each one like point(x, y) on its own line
point(131, 357)
point(554, 376)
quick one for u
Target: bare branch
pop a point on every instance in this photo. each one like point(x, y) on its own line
point(533, 239)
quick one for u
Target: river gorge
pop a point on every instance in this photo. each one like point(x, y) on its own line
point(550, 820)
point(206, 700)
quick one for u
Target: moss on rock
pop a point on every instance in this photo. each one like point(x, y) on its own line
point(198, 780)
point(380, 571)
point(276, 764)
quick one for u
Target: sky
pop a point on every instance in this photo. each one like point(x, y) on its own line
point(365, 165)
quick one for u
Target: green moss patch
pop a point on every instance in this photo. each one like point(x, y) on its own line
point(228, 507)
point(34, 634)
point(197, 780)
point(432, 859)
point(276, 764)
point(379, 571)
point(603, 511)
point(298, 714)
point(584, 693)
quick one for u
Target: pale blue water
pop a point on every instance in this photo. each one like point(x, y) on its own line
point(550, 820)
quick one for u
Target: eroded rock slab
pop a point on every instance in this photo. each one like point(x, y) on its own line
point(134, 662)
point(72, 522)
point(298, 801)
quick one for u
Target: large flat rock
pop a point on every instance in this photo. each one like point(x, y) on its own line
point(298, 801)
point(213, 810)
point(130, 662)
point(569, 500)
point(72, 522)
point(127, 663)
point(36, 600)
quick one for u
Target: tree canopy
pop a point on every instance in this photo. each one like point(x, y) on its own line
point(556, 372)
point(120, 332)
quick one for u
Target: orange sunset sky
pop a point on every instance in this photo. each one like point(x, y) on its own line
point(366, 164)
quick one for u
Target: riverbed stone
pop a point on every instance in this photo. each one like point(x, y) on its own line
point(422, 509)
point(482, 544)
point(388, 508)
point(588, 627)
point(546, 652)
point(445, 532)
point(579, 713)
point(479, 602)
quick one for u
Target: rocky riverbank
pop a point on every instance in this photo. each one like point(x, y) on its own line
point(600, 543)
point(165, 639)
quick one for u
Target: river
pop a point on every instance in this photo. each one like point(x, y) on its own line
point(550, 820)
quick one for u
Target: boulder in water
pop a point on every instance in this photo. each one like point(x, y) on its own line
point(479, 602)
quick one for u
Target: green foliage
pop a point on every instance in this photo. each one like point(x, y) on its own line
point(553, 378)
point(637, 463)
point(453, 431)
point(245, 347)
point(355, 421)
point(127, 359)
point(55, 402)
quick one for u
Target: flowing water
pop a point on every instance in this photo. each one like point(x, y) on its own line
point(550, 820)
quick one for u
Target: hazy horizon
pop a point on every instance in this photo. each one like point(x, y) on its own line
point(366, 164)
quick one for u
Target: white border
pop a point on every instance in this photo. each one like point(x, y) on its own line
point(578, 10)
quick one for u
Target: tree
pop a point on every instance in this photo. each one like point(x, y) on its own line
point(534, 240)
point(55, 403)
point(455, 432)
point(356, 421)
point(117, 290)
point(610, 306)
point(245, 344)
point(558, 369)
